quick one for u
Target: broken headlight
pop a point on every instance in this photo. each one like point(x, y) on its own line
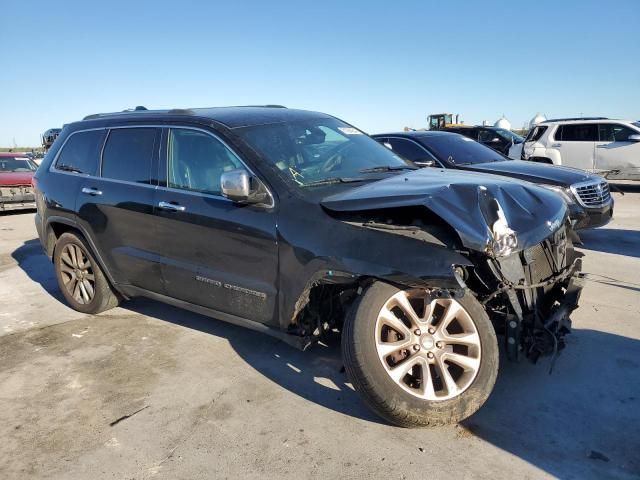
point(504, 238)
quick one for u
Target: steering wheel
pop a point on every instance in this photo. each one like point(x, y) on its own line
point(334, 158)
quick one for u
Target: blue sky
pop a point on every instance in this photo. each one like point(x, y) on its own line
point(378, 65)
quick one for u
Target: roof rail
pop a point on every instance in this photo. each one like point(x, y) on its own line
point(138, 108)
point(574, 118)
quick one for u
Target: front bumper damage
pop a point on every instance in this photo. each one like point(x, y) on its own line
point(531, 294)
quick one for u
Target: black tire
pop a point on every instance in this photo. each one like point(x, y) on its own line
point(104, 298)
point(385, 397)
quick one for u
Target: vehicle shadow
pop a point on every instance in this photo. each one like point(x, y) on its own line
point(36, 265)
point(625, 187)
point(611, 240)
point(578, 422)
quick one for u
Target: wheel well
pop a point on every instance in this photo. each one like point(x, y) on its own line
point(324, 304)
point(54, 231)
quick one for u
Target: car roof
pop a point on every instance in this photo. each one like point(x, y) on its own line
point(232, 117)
point(417, 134)
point(585, 120)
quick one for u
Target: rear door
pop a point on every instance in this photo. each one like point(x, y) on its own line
point(576, 143)
point(614, 151)
point(116, 206)
point(215, 253)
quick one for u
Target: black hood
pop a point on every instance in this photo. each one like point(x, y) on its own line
point(465, 200)
point(532, 172)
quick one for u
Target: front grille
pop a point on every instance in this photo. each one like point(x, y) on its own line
point(592, 194)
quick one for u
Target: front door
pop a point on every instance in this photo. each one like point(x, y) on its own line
point(115, 206)
point(614, 152)
point(576, 144)
point(216, 253)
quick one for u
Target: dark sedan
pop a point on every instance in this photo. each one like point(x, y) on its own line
point(588, 197)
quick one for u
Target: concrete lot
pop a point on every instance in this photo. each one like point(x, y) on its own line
point(150, 391)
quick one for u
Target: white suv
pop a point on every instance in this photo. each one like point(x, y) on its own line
point(600, 145)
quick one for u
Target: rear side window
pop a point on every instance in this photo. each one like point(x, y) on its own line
point(611, 132)
point(585, 132)
point(408, 149)
point(128, 154)
point(196, 161)
point(535, 134)
point(81, 152)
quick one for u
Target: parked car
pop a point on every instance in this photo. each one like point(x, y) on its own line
point(297, 224)
point(499, 139)
point(601, 145)
point(16, 172)
point(587, 195)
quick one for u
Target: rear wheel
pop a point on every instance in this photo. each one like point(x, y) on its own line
point(82, 282)
point(418, 358)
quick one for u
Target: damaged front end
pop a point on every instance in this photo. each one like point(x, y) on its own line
point(530, 294)
point(517, 237)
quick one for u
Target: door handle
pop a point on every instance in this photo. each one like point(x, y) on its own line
point(555, 145)
point(601, 146)
point(91, 191)
point(172, 207)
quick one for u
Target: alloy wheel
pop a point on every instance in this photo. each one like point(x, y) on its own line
point(77, 273)
point(429, 346)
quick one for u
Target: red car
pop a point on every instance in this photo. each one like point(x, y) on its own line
point(16, 172)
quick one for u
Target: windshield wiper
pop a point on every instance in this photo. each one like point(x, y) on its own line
point(332, 180)
point(67, 168)
point(387, 168)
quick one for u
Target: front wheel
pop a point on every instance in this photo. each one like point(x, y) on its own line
point(419, 358)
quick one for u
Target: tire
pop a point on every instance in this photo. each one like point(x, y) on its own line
point(399, 402)
point(76, 266)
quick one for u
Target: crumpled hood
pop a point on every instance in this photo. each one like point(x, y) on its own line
point(532, 172)
point(15, 178)
point(466, 201)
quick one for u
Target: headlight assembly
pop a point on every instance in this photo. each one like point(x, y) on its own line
point(565, 192)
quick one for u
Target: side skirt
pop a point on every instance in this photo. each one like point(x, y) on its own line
point(294, 341)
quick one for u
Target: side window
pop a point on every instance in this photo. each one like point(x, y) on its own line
point(471, 133)
point(535, 134)
point(196, 160)
point(408, 149)
point(81, 152)
point(128, 154)
point(486, 136)
point(611, 132)
point(585, 132)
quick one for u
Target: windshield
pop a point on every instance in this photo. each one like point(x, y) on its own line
point(321, 150)
point(509, 135)
point(460, 150)
point(17, 164)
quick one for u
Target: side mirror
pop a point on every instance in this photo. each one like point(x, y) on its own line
point(239, 186)
point(634, 138)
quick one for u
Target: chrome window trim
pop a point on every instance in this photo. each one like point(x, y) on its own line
point(52, 167)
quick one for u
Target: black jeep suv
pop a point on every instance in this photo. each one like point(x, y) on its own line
point(297, 224)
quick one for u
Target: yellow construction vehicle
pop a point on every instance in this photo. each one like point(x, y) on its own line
point(437, 121)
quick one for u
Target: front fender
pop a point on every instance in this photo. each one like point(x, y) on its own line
point(347, 253)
